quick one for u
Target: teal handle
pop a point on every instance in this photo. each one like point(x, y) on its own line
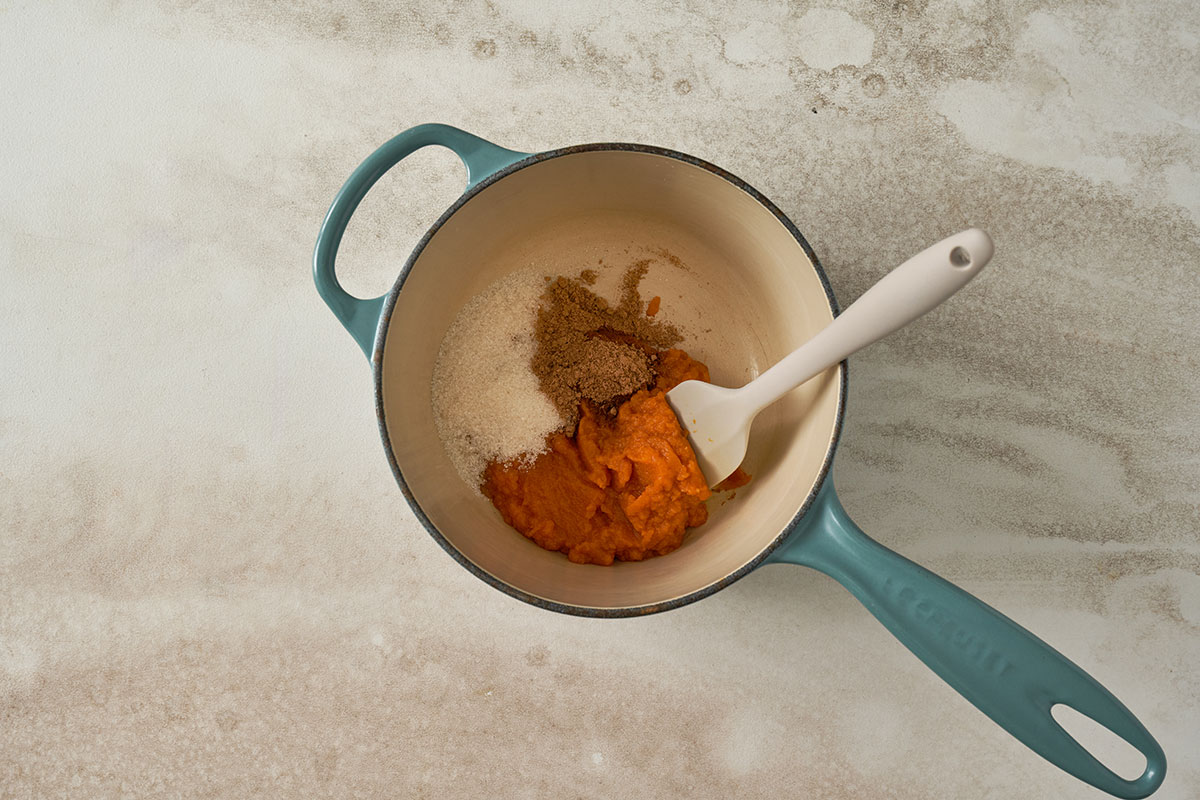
point(361, 317)
point(1003, 669)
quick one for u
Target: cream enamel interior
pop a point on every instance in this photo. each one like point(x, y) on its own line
point(747, 295)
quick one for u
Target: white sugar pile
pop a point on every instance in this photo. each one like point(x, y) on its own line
point(486, 400)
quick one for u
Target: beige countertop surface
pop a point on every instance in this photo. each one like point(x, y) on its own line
point(210, 584)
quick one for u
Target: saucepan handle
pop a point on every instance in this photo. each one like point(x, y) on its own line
point(361, 317)
point(1003, 669)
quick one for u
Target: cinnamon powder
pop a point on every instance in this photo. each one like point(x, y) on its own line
point(586, 349)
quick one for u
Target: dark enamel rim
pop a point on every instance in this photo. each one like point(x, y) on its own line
point(377, 369)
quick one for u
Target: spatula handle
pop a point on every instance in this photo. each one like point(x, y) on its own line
point(915, 287)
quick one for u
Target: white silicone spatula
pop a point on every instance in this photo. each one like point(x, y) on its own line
point(718, 419)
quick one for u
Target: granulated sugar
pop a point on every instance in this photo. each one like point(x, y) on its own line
point(486, 399)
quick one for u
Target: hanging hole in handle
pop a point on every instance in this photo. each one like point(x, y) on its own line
point(959, 257)
point(1107, 747)
point(394, 216)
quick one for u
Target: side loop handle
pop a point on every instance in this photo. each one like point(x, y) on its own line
point(481, 158)
point(1003, 669)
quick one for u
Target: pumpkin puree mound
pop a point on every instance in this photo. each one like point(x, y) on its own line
point(622, 488)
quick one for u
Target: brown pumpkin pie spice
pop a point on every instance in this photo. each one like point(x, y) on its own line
point(587, 349)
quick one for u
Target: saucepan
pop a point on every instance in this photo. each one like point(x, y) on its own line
point(748, 289)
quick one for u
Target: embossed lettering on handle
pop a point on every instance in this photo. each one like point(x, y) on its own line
point(942, 622)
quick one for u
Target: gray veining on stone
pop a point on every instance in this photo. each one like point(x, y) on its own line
point(209, 583)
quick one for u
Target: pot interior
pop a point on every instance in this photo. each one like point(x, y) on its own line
point(730, 274)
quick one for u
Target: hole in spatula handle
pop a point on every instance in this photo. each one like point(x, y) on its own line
point(959, 257)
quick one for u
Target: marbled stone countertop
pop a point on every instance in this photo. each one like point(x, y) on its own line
point(210, 585)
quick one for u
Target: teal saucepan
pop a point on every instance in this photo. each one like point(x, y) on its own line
point(750, 291)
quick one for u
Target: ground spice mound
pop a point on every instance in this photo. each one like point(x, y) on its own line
point(589, 350)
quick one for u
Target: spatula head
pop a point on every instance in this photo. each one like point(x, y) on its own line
point(717, 425)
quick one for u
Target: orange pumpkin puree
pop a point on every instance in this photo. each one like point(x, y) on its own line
point(622, 488)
